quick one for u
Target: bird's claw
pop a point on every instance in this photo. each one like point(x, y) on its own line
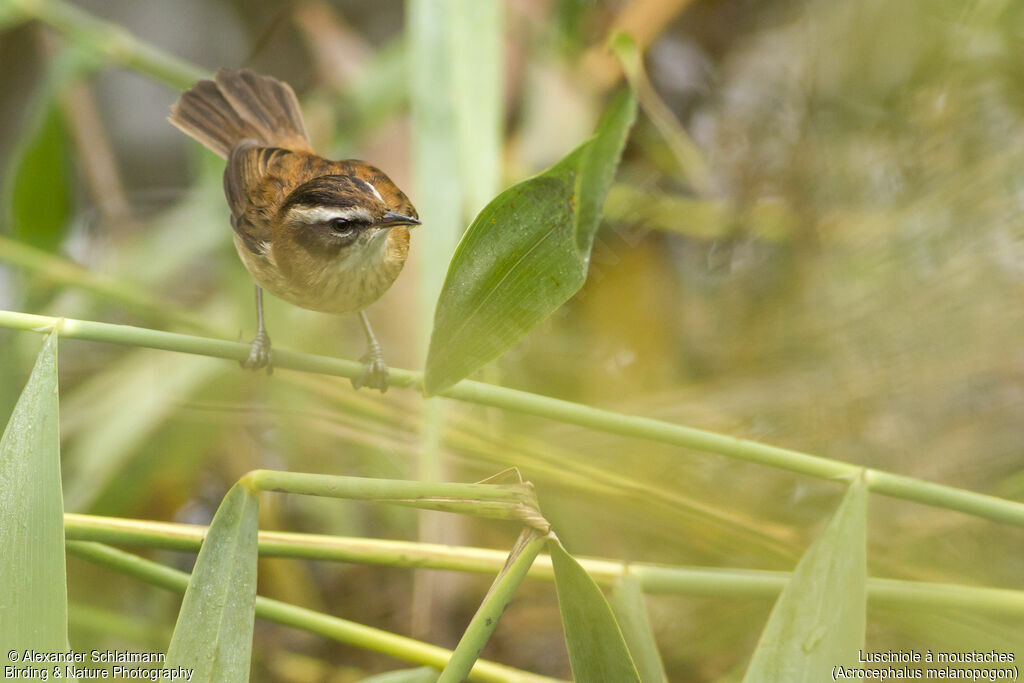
point(260, 354)
point(375, 373)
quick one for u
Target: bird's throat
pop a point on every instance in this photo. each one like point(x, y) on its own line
point(344, 282)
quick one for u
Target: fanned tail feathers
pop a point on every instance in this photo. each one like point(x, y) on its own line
point(237, 105)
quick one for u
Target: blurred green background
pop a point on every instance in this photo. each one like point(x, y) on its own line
point(849, 282)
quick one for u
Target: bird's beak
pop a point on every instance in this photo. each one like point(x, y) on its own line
point(392, 219)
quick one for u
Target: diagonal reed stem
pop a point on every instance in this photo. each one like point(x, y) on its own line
point(494, 605)
point(878, 481)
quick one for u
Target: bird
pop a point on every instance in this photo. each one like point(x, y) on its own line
point(324, 235)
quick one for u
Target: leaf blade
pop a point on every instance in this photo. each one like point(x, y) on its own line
point(597, 651)
point(525, 254)
point(33, 603)
point(627, 602)
point(496, 289)
point(810, 629)
point(213, 635)
point(598, 162)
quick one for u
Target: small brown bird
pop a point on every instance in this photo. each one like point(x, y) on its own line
point(325, 235)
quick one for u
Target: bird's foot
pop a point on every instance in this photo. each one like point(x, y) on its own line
point(375, 372)
point(260, 354)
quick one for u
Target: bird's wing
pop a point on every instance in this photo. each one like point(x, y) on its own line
point(256, 180)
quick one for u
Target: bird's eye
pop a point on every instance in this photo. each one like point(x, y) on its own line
point(342, 225)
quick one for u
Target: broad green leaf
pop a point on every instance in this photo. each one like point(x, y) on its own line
point(213, 635)
point(627, 602)
point(597, 651)
point(524, 255)
point(33, 601)
point(423, 674)
point(818, 621)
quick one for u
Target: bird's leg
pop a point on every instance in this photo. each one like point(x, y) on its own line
point(375, 372)
point(260, 355)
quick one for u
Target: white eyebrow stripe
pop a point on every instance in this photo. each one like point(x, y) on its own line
point(324, 214)
point(372, 188)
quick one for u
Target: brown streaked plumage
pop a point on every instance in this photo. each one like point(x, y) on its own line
point(325, 235)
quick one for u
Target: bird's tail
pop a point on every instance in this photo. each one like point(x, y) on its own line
point(240, 104)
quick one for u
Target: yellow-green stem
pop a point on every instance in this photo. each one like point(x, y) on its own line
point(654, 579)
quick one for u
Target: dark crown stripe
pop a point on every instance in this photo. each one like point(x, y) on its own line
point(329, 191)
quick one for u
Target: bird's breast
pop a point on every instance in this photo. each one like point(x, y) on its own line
point(343, 282)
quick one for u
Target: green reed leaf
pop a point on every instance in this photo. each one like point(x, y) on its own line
point(597, 651)
point(213, 635)
point(524, 255)
point(33, 601)
point(818, 621)
point(627, 602)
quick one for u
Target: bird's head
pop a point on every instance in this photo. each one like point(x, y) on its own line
point(338, 212)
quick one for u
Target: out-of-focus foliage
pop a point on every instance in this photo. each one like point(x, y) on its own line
point(38, 201)
point(849, 284)
point(38, 188)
